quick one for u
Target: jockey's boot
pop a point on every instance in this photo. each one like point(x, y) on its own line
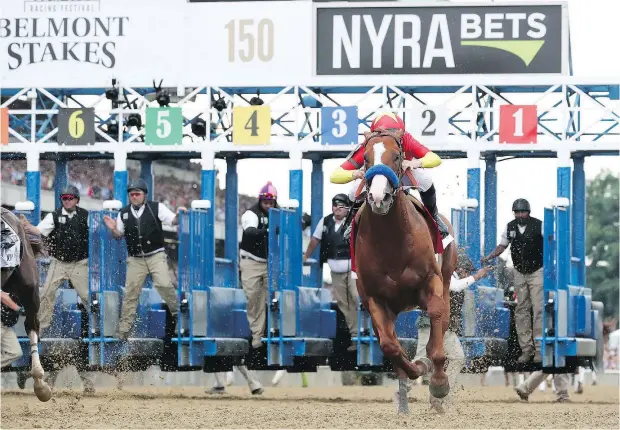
point(348, 222)
point(430, 201)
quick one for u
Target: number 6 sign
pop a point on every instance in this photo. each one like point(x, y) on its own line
point(518, 124)
point(76, 126)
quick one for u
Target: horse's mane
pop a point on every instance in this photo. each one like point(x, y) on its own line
point(382, 132)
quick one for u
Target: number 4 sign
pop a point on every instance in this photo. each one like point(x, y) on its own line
point(518, 124)
point(163, 126)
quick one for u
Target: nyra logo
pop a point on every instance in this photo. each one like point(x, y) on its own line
point(520, 34)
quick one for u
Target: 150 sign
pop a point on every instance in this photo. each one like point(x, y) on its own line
point(248, 40)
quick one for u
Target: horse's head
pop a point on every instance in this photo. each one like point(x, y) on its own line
point(383, 157)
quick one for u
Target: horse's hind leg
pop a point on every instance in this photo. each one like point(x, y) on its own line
point(439, 386)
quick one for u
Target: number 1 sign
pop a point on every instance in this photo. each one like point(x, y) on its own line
point(518, 124)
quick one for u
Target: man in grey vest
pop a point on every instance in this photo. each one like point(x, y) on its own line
point(335, 251)
point(141, 224)
point(525, 236)
point(68, 237)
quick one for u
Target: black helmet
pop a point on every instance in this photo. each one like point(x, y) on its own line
point(71, 190)
point(341, 198)
point(138, 184)
point(521, 205)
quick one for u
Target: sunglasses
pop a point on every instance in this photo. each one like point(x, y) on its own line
point(67, 198)
point(135, 194)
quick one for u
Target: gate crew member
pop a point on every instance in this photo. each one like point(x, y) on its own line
point(67, 231)
point(336, 251)
point(461, 279)
point(141, 223)
point(253, 264)
point(10, 350)
point(525, 237)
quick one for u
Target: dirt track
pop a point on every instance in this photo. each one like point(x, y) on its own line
point(344, 407)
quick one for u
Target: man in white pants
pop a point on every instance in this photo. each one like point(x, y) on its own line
point(461, 279)
point(222, 379)
point(10, 350)
point(561, 382)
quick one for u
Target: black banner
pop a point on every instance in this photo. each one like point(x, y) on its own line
point(358, 40)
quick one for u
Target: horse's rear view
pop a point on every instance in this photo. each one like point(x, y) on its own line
point(396, 265)
point(20, 276)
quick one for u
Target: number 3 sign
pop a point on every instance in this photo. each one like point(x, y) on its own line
point(518, 124)
point(339, 125)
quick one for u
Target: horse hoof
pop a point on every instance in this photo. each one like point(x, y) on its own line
point(42, 391)
point(423, 361)
point(439, 391)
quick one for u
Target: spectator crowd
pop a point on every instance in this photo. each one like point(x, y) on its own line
point(95, 178)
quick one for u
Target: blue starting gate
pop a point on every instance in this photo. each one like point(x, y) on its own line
point(485, 321)
point(300, 322)
point(212, 327)
point(572, 323)
point(212, 331)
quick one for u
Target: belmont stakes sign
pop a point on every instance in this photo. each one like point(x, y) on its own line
point(87, 43)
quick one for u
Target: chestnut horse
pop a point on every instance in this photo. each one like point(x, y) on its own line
point(22, 280)
point(396, 266)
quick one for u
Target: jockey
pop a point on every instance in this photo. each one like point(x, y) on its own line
point(416, 156)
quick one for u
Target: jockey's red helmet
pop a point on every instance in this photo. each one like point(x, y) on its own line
point(387, 121)
point(268, 192)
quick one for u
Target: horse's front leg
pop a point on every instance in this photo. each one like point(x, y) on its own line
point(439, 386)
point(41, 389)
point(383, 322)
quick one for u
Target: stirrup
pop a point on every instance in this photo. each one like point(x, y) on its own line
point(443, 228)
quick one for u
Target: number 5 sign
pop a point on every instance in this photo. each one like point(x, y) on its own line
point(518, 124)
point(164, 126)
point(339, 125)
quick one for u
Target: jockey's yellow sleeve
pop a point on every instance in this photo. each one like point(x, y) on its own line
point(430, 160)
point(341, 176)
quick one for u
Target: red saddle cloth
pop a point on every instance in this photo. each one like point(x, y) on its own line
point(434, 230)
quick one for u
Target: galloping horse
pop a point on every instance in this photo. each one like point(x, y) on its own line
point(22, 280)
point(394, 255)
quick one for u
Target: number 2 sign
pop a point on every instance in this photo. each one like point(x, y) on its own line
point(428, 123)
point(518, 124)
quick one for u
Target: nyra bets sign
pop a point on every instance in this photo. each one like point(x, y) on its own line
point(77, 42)
point(447, 39)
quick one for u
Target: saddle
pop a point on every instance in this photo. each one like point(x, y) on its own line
point(430, 221)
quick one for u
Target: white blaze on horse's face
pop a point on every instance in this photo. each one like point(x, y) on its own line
point(379, 186)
